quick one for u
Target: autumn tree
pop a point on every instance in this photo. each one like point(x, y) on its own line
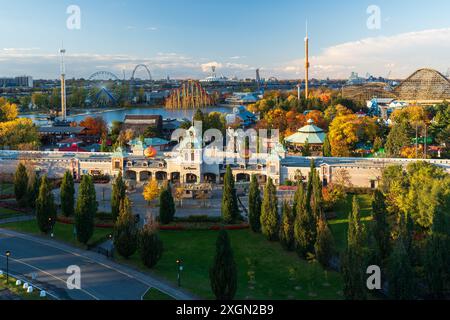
point(151, 191)
point(95, 126)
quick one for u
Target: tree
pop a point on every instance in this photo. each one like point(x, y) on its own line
point(125, 231)
point(401, 274)
point(353, 260)
point(317, 203)
point(166, 206)
point(381, 229)
point(254, 205)
point(8, 112)
point(287, 227)
point(21, 185)
point(305, 226)
point(33, 190)
point(45, 207)
point(327, 147)
point(151, 191)
point(269, 212)
point(119, 190)
point(67, 194)
point(19, 134)
point(86, 209)
point(399, 137)
point(150, 245)
point(223, 273)
point(324, 246)
point(95, 126)
point(230, 211)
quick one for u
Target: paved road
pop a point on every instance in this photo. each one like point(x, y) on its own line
point(101, 279)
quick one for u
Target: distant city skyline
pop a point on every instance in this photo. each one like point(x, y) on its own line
point(184, 38)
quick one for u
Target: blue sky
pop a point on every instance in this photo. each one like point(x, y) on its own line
point(182, 38)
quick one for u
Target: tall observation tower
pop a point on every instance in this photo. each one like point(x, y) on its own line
point(63, 86)
point(306, 63)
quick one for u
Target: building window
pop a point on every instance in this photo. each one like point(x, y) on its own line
point(116, 165)
point(192, 156)
point(373, 184)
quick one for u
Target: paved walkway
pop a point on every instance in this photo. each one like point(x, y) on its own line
point(102, 279)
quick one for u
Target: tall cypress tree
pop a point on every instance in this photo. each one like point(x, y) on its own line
point(287, 227)
point(86, 209)
point(317, 197)
point(223, 273)
point(309, 184)
point(67, 194)
point(270, 219)
point(324, 247)
point(305, 226)
point(254, 205)
point(150, 245)
point(166, 206)
point(118, 194)
point(401, 274)
point(381, 229)
point(125, 231)
point(21, 185)
point(33, 190)
point(230, 210)
point(45, 207)
point(353, 260)
point(327, 147)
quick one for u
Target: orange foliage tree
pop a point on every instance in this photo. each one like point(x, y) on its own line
point(95, 126)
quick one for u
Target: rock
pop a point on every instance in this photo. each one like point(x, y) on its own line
point(30, 289)
point(25, 285)
point(18, 283)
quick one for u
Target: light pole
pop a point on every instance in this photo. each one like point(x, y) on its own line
point(179, 269)
point(8, 253)
point(50, 224)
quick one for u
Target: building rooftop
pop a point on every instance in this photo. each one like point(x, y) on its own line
point(310, 133)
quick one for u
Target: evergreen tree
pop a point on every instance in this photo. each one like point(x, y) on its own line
point(353, 260)
point(381, 229)
point(287, 227)
point(33, 190)
point(254, 205)
point(166, 206)
point(230, 211)
point(436, 264)
point(150, 245)
point(85, 211)
point(223, 273)
point(406, 233)
point(125, 231)
point(317, 197)
point(304, 227)
point(118, 194)
point(327, 147)
point(299, 196)
point(67, 194)
point(45, 207)
point(324, 247)
point(309, 184)
point(401, 274)
point(269, 212)
point(21, 185)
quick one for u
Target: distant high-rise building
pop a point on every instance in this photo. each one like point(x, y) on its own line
point(21, 81)
point(258, 79)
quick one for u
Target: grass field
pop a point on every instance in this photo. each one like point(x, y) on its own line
point(62, 232)
point(339, 226)
point(154, 294)
point(265, 270)
point(8, 213)
point(6, 188)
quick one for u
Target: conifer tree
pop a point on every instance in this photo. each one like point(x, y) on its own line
point(401, 274)
point(254, 205)
point(85, 210)
point(317, 197)
point(150, 245)
point(223, 273)
point(230, 210)
point(309, 184)
point(45, 207)
point(21, 185)
point(270, 219)
point(67, 194)
point(287, 227)
point(166, 206)
point(304, 227)
point(353, 260)
point(118, 194)
point(125, 230)
point(381, 229)
point(327, 147)
point(324, 247)
point(33, 190)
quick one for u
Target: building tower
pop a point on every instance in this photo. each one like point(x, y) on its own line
point(306, 63)
point(63, 87)
point(258, 80)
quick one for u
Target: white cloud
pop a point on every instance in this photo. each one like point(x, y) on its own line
point(207, 66)
point(151, 28)
point(402, 54)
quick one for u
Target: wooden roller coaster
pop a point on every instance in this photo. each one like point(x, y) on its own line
point(190, 95)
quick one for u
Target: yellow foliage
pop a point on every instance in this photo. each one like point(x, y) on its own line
point(151, 191)
point(19, 132)
point(8, 112)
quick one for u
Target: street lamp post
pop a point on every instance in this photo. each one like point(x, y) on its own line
point(8, 253)
point(179, 269)
point(50, 224)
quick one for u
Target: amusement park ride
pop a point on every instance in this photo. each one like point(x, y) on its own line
point(190, 95)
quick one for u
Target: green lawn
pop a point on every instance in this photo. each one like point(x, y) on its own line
point(8, 213)
point(155, 294)
point(265, 270)
point(18, 290)
point(62, 232)
point(339, 226)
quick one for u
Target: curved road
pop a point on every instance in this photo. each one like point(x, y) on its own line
point(101, 279)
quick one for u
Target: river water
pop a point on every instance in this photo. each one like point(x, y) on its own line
point(118, 115)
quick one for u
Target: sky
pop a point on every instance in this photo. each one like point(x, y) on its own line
point(184, 38)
